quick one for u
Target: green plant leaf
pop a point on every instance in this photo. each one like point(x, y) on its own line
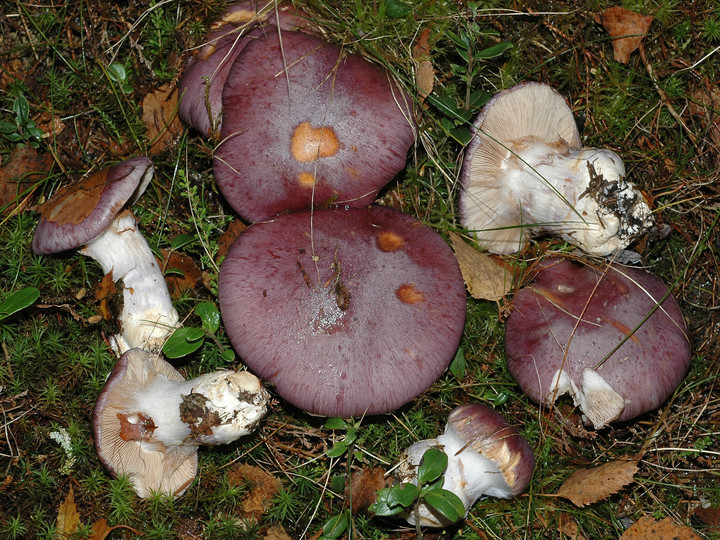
point(432, 466)
point(335, 526)
point(228, 355)
point(7, 127)
point(446, 503)
point(117, 73)
point(338, 449)
point(184, 341)
point(457, 366)
point(336, 423)
point(18, 301)
point(494, 51)
point(209, 315)
point(181, 240)
point(21, 108)
point(396, 10)
point(393, 500)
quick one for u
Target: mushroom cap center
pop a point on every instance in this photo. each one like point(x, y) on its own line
point(310, 143)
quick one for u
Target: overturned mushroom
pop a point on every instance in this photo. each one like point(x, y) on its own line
point(94, 215)
point(610, 336)
point(487, 457)
point(525, 174)
point(149, 421)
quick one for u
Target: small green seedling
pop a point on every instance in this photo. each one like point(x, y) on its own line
point(118, 74)
point(24, 130)
point(18, 301)
point(351, 432)
point(188, 339)
point(405, 497)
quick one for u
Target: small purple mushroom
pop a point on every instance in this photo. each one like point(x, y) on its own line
point(565, 332)
point(204, 76)
point(345, 311)
point(306, 124)
point(93, 214)
point(487, 457)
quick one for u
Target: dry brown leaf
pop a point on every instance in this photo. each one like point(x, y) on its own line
point(100, 529)
point(160, 117)
point(706, 103)
point(569, 527)
point(228, 237)
point(627, 30)
point(105, 292)
point(276, 532)
point(68, 518)
point(588, 486)
point(26, 166)
point(424, 71)
point(485, 277)
point(664, 529)
point(363, 487)
point(263, 487)
point(182, 273)
point(710, 517)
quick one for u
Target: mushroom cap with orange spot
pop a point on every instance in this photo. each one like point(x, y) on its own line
point(296, 108)
point(337, 324)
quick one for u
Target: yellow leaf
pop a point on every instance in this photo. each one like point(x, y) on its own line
point(485, 277)
point(664, 529)
point(68, 519)
point(588, 486)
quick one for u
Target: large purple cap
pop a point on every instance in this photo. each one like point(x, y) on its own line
point(305, 124)
point(567, 322)
point(345, 312)
point(81, 211)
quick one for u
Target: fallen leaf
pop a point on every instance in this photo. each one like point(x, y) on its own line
point(181, 273)
point(105, 293)
point(486, 277)
point(664, 529)
point(705, 103)
point(710, 517)
point(263, 487)
point(160, 117)
point(588, 486)
point(228, 237)
point(424, 71)
point(100, 529)
point(363, 487)
point(68, 518)
point(568, 527)
point(25, 167)
point(276, 532)
point(627, 30)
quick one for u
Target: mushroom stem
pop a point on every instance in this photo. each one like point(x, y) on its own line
point(215, 408)
point(148, 316)
point(579, 193)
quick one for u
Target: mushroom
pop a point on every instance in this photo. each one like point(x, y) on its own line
point(93, 214)
point(205, 73)
point(524, 174)
point(306, 124)
point(344, 311)
point(487, 457)
point(149, 421)
point(610, 336)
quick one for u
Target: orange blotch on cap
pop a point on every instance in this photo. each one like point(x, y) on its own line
point(310, 143)
point(306, 179)
point(390, 241)
point(409, 294)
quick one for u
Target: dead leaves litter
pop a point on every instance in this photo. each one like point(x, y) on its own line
point(627, 30)
point(588, 486)
point(486, 277)
point(665, 529)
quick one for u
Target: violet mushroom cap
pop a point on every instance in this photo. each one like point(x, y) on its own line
point(344, 311)
point(93, 214)
point(487, 457)
point(148, 420)
point(306, 124)
point(205, 73)
point(572, 315)
point(524, 174)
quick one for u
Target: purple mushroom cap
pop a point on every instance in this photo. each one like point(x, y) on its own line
point(204, 76)
point(305, 124)
point(573, 315)
point(79, 212)
point(345, 311)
